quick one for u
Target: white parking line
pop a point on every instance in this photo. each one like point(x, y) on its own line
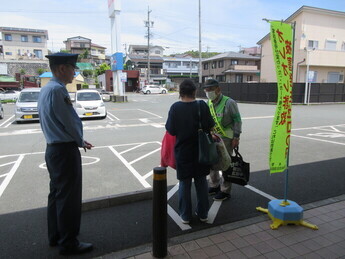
point(139, 158)
point(8, 163)
point(10, 118)
point(130, 168)
point(7, 180)
point(266, 195)
point(127, 150)
point(111, 116)
point(151, 113)
point(322, 140)
point(213, 211)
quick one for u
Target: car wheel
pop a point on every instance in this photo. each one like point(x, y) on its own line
point(164, 92)
point(148, 92)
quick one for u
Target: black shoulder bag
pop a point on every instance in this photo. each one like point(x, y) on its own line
point(207, 147)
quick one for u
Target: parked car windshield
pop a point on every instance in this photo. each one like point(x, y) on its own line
point(88, 96)
point(27, 97)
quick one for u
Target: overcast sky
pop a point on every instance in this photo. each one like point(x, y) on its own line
point(225, 24)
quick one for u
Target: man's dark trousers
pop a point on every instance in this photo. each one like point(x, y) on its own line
point(64, 200)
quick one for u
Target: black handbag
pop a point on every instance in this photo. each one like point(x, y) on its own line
point(239, 171)
point(207, 147)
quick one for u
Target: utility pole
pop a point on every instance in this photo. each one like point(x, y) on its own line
point(200, 68)
point(149, 25)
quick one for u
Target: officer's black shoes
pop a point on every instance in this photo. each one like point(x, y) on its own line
point(78, 249)
point(213, 190)
point(221, 196)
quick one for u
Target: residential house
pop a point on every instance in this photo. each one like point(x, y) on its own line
point(181, 66)
point(23, 44)
point(79, 45)
point(98, 54)
point(231, 67)
point(76, 84)
point(319, 42)
point(137, 59)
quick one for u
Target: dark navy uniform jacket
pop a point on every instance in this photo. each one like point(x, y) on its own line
point(59, 121)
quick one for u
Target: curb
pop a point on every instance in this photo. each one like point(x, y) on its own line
point(115, 200)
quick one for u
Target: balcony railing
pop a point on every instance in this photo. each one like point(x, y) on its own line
point(243, 67)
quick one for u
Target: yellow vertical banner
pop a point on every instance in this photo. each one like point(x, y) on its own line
point(281, 38)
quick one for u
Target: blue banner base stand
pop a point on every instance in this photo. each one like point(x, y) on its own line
point(285, 212)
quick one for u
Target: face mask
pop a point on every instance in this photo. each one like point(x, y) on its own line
point(211, 95)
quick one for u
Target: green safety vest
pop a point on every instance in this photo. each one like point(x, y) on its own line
point(217, 115)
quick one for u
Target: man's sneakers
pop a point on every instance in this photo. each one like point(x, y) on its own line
point(213, 190)
point(221, 196)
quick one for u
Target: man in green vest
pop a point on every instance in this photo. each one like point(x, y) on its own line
point(226, 115)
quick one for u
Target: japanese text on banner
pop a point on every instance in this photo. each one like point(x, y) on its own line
point(281, 38)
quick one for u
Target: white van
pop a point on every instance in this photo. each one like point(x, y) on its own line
point(26, 105)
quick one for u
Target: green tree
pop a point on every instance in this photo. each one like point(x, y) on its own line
point(102, 68)
point(40, 71)
point(87, 73)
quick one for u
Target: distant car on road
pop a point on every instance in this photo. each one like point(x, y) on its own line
point(26, 105)
point(9, 95)
point(154, 89)
point(1, 111)
point(89, 103)
point(105, 95)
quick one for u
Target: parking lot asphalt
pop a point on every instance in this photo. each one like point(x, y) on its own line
point(127, 148)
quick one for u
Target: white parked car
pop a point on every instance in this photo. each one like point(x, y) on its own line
point(154, 89)
point(9, 95)
point(89, 103)
point(26, 105)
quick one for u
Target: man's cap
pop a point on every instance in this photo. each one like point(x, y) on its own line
point(60, 58)
point(210, 83)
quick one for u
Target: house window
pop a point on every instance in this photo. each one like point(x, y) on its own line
point(334, 77)
point(186, 64)
point(38, 53)
point(173, 64)
point(157, 52)
point(205, 66)
point(37, 39)
point(220, 78)
point(234, 62)
point(8, 37)
point(24, 38)
point(239, 78)
point(221, 63)
point(8, 53)
point(312, 77)
point(313, 44)
point(343, 46)
point(249, 78)
point(214, 64)
point(331, 45)
point(82, 45)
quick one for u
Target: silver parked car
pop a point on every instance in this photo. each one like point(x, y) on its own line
point(26, 105)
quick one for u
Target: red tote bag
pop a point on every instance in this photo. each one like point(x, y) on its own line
point(167, 151)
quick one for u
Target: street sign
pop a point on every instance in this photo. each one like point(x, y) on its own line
point(123, 77)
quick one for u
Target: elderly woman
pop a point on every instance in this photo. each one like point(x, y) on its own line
point(183, 122)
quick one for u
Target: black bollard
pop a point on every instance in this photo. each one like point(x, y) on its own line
point(159, 213)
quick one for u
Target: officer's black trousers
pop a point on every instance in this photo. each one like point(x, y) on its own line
point(64, 200)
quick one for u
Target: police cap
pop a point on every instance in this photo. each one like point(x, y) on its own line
point(61, 58)
point(211, 83)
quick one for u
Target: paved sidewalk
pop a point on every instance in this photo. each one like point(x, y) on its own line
point(246, 240)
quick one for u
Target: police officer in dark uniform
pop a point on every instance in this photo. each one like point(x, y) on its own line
point(63, 131)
